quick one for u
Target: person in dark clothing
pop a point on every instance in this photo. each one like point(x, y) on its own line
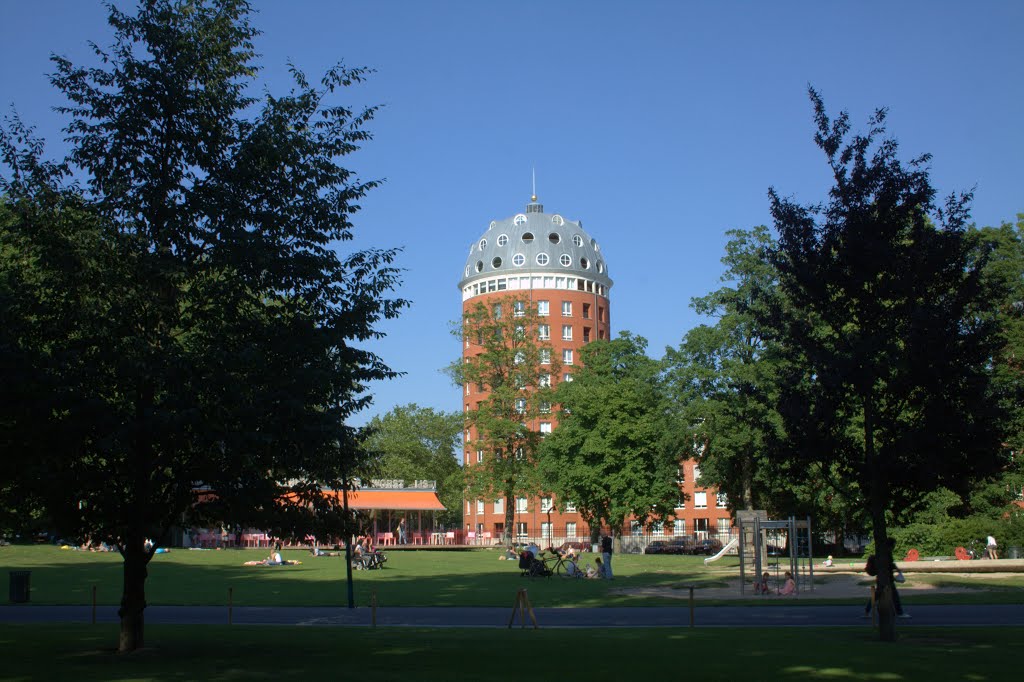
point(871, 568)
point(606, 556)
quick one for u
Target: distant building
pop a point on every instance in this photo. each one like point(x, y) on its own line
point(561, 270)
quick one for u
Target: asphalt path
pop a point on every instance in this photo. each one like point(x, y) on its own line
point(476, 617)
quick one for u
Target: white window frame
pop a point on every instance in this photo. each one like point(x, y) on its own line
point(543, 308)
point(545, 427)
point(479, 506)
point(570, 529)
point(567, 356)
point(544, 332)
point(499, 506)
point(479, 456)
point(546, 504)
point(545, 356)
point(522, 505)
point(700, 499)
point(566, 308)
point(566, 332)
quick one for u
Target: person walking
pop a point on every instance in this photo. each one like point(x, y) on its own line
point(606, 555)
point(401, 532)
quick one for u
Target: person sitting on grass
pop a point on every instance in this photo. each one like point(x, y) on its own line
point(762, 586)
point(789, 587)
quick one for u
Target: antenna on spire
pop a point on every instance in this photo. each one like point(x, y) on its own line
point(533, 177)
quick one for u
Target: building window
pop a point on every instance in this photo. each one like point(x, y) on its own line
point(700, 525)
point(545, 529)
point(567, 377)
point(586, 311)
point(567, 332)
point(566, 308)
point(521, 504)
point(519, 452)
point(519, 308)
point(546, 505)
point(520, 219)
point(681, 502)
point(700, 500)
point(586, 335)
point(635, 528)
point(679, 527)
point(542, 259)
point(543, 308)
point(545, 427)
point(565, 260)
point(600, 313)
point(497, 311)
point(696, 474)
point(544, 381)
point(577, 240)
point(521, 530)
point(570, 507)
point(499, 506)
point(520, 405)
point(570, 529)
point(479, 506)
point(721, 500)
point(724, 527)
point(545, 356)
point(479, 456)
point(502, 239)
point(658, 528)
point(544, 332)
point(680, 475)
point(518, 260)
point(567, 356)
point(545, 408)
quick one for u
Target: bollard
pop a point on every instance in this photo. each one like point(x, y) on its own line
point(231, 605)
point(691, 606)
point(94, 605)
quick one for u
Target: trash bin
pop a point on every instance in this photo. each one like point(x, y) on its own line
point(1014, 553)
point(20, 584)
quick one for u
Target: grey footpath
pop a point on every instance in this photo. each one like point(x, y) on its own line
point(477, 617)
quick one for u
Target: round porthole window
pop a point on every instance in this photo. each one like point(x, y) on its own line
point(600, 267)
point(496, 263)
point(479, 266)
point(494, 223)
point(520, 219)
point(518, 260)
point(483, 244)
point(554, 238)
point(565, 260)
point(577, 240)
point(542, 259)
point(502, 239)
point(527, 237)
point(584, 263)
point(557, 220)
point(467, 271)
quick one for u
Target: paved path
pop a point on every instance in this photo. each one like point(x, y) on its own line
point(704, 616)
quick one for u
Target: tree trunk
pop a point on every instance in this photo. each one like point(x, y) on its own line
point(133, 596)
point(878, 499)
point(510, 517)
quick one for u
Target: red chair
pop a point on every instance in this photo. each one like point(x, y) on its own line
point(962, 554)
point(912, 555)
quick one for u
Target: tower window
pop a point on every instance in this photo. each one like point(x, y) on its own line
point(557, 220)
point(577, 240)
point(543, 308)
point(544, 332)
point(479, 266)
point(520, 219)
point(554, 238)
point(565, 260)
point(542, 259)
point(518, 260)
point(496, 263)
point(483, 244)
point(567, 332)
point(584, 263)
point(502, 239)
point(527, 236)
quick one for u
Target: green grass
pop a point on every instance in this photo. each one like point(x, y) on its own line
point(412, 578)
point(224, 654)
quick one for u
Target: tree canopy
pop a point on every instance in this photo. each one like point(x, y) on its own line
point(886, 347)
point(616, 449)
point(176, 295)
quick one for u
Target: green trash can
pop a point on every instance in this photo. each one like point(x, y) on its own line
point(21, 582)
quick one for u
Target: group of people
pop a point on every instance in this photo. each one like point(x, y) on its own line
point(603, 569)
point(788, 586)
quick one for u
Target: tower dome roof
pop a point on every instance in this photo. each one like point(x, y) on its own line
point(535, 242)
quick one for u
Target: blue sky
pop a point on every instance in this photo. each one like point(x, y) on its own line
point(660, 125)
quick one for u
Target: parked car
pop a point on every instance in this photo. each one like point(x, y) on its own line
point(709, 546)
point(656, 547)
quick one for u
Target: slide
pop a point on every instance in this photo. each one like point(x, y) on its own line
point(732, 545)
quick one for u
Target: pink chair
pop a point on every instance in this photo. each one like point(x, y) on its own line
point(449, 538)
point(417, 538)
point(471, 538)
point(487, 537)
point(389, 538)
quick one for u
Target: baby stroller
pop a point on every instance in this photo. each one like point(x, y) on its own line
point(369, 561)
point(532, 567)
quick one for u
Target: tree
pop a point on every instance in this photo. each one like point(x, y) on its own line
point(616, 449)
point(411, 443)
point(511, 368)
point(197, 339)
point(887, 349)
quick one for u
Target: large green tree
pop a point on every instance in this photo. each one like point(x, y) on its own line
point(512, 369)
point(887, 347)
point(184, 305)
point(617, 446)
point(416, 443)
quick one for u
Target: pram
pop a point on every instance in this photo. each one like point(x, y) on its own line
point(532, 567)
point(369, 560)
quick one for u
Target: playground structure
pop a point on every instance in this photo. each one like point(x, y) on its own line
point(755, 530)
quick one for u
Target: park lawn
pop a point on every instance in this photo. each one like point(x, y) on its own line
point(226, 653)
point(411, 578)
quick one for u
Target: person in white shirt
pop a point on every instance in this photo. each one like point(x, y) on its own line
point(992, 553)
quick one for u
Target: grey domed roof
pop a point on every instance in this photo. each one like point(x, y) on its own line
point(535, 241)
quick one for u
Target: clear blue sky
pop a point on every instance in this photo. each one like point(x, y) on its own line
point(660, 125)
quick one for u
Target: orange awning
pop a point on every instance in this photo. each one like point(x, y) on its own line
point(407, 500)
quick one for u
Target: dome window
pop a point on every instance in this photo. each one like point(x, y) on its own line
point(527, 237)
point(584, 263)
point(554, 238)
point(496, 263)
point(542, 259)
point(467, 271)
point(600, 266)
point(479, 266)
point(483, 244)
point(557, 220)
point(520, 219)
point(565, 260)
point(502, 239)
point(518, 260)
point(494, 224)
point(577, 240)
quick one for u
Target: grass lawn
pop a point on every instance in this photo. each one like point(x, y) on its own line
point(411, 578)
point(223, 653)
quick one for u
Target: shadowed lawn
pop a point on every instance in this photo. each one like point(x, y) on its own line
point(224, 653)
point(411, 578)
